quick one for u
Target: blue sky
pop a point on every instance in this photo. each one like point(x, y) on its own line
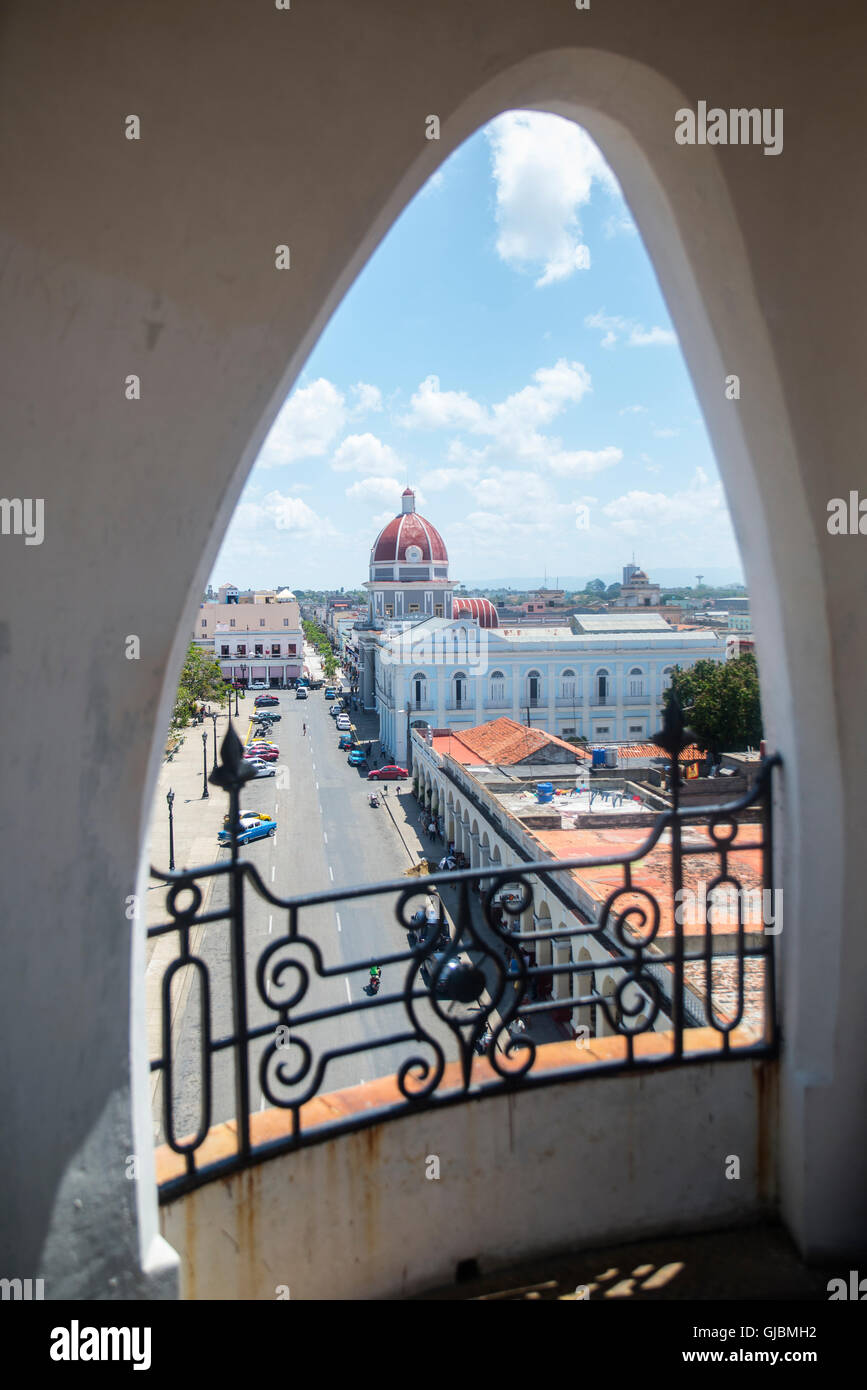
point(506, 351)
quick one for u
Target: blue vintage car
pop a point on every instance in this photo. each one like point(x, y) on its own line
point(250, 830)
point(357, 758)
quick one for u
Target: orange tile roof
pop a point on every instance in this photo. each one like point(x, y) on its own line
point(653, 873)
point(501, 741)
point(651, 750)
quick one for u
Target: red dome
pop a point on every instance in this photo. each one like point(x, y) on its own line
point(405, 530)
point(479, 608)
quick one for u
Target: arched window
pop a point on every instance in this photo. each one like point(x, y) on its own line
point(534, 688)
point(567, 684)
point(418, 690)
point(460, 690)
point(636, 681)
point(666, 677)
point(498, 688)
point(602, 687)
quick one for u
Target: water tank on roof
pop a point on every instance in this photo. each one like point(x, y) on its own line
point(545, 791)
point(598, 757)
point(610, 757)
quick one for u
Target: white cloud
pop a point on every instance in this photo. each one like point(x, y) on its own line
point(634, 410)
point(582, 462)
point(381, 490)
point(544, 169)
point(433, 409)
point(665, 433)
point(695, 520)
point(652, 337)
point(441, 479)
point(512, 425)
point(614, 327)
point(306, 425)
point(364, 453)
point(620, 222)
point(276, 511)
point(366, 398)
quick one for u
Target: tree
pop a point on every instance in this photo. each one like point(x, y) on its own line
point(721, 702)
point(201, 679)
point(612, 591)
point(596, 586)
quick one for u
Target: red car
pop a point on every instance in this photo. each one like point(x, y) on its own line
point(390, 773)
point(268, 755)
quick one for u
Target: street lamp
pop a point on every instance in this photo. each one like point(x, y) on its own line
point(236, 700)
point(214, 718)
point(170, 797)
point(205, 792)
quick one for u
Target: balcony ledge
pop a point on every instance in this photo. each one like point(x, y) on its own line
point(376, 1098)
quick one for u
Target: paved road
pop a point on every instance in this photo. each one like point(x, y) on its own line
point(328, 838)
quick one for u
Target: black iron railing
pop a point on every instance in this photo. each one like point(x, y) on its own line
point(471, 981)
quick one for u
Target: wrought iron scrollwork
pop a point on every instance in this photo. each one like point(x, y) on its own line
point(477, 985)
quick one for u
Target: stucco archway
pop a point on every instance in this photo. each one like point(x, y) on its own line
point(94, 282)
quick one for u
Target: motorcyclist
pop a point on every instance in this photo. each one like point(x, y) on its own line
point(375, 972)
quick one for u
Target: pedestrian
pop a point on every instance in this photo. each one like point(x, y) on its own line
point(304, 729)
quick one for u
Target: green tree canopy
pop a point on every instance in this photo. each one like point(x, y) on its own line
point(201, 679)
point(721, 702)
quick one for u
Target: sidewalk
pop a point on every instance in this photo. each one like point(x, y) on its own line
point(197, 822)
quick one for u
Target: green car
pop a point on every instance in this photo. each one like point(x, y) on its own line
point(357, 758)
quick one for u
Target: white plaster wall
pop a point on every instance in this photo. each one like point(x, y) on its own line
point(306, 126)
point(603, 1159)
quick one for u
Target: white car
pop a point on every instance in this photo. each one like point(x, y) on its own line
point(262, 769)
point(342, 722)
point(258, 685)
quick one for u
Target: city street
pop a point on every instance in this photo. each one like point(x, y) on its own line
point(328, 837)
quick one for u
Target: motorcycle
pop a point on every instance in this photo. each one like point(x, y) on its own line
point(373, 986)
point(483, 1042)
point(373, 799)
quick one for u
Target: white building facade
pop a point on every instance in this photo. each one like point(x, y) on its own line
point(427, 657)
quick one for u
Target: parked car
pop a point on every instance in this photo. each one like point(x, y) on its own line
point(330, 692)
point(262, 701)
point(262, 747)
point(301, 692)
point(390, 773)
point(247, 816)
point(258, 685)
point(258, 830)
point(262, 768)
point(357, 758)
point(346, 740)
point(265, 755)
point(268, 717)
point(344, 724)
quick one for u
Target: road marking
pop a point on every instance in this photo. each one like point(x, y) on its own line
point(273, 871)
point(348, 990)
point(262, 1106)
point(270, 923)
point(331, 873)
point(317, 786)
point(325, 836)
point(337, 915)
